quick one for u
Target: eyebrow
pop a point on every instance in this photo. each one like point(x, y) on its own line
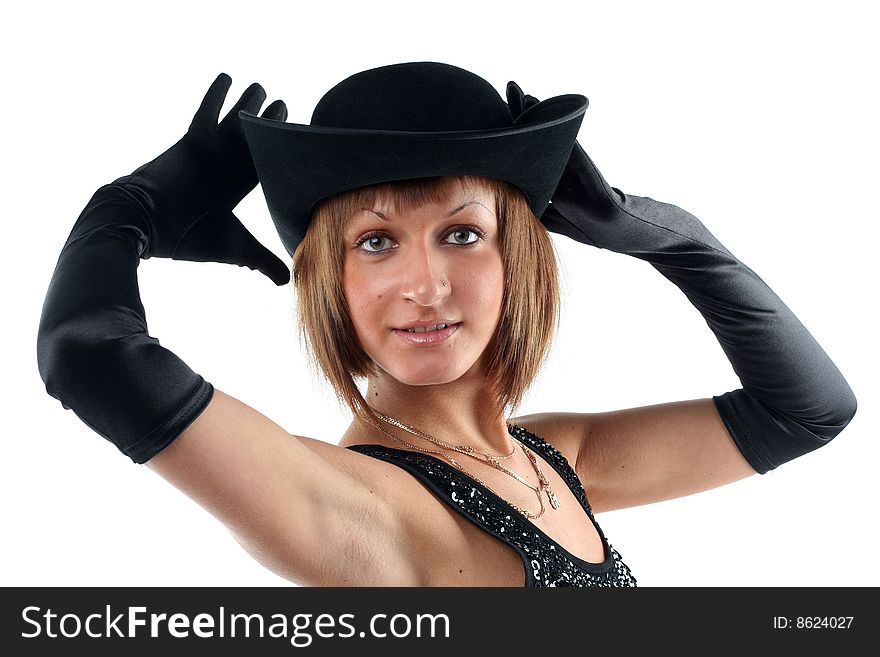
point(456, 211)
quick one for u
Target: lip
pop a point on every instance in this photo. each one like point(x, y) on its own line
point(432, 322)
point(429, 338)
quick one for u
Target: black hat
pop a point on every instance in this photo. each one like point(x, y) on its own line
point(403, 121)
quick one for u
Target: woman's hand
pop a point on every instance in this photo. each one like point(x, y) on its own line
point(587, 209)
point(189, 191)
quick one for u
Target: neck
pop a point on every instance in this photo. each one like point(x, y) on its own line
point(459, 412)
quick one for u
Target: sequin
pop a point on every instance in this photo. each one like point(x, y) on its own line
point(546, 563)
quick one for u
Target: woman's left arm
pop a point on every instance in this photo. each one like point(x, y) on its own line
point(794, 399)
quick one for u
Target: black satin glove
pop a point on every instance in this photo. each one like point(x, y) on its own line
point(93, 349)
point(793, 399)
point(189, 191)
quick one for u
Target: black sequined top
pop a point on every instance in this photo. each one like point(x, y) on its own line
point(546, 562)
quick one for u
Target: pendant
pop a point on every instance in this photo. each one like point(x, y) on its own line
point(554, 501)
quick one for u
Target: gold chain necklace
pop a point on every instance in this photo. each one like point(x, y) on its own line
point(463, 449)
point(527, 514)
point(544, 484)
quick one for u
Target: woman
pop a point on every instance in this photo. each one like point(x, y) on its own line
point(410, 206)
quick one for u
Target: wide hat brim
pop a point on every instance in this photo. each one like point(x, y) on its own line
point(299, 165)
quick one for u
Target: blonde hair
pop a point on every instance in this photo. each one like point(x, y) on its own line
point(529, 308)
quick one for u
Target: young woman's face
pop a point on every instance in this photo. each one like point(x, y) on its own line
point(438, 263)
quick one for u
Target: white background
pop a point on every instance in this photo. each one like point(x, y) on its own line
point(759, 118)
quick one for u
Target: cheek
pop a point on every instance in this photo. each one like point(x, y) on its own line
point(364, 295)
point(485, 287)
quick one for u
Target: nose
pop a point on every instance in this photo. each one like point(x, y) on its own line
point(423, 276)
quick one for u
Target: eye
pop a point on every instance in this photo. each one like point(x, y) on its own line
point(372, 242)
point(377, 243)
point(464, 231)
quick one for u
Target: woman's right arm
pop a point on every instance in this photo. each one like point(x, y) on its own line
point(299, 515)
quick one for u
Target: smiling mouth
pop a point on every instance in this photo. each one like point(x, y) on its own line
point(428, 335)
point(428, 329)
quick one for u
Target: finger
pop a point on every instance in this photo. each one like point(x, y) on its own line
point(277, 111)
point(518, 100)
point(209, 110)
point(251, 101)
point(247, 251)
point(514, 98)
point(582, 178)
point(275, 270)
point(256, 256)
point(219, 236)
point(557, 223)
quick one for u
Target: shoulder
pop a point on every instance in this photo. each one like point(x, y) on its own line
point(564, 431)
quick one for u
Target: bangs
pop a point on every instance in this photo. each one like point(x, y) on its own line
point(401, 196)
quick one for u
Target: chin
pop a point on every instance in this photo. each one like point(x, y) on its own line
point(426, 378)
point(427, 373)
